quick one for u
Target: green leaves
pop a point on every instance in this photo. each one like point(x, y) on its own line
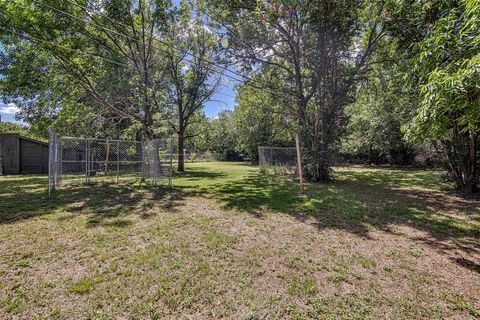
point(100, 58)
point(447, 63)
point(450, 73)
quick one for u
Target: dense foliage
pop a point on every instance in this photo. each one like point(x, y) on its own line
point(8, 127)
point(448, 61)
point(393, 81)
point(314, 51)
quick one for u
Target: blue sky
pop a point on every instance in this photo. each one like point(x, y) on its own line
point(7, 117)
point(223, 99)
point(212, 108)
point(7, 111)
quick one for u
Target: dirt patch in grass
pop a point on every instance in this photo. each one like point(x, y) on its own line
point(356, 249)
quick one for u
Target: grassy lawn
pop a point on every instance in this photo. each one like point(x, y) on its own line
point(230, 242)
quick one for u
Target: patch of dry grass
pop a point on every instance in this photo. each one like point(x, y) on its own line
point(228, 242)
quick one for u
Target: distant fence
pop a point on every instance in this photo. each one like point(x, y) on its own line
point(279, 160)
point(206, 156)
point(192, 156)
point(89, 160)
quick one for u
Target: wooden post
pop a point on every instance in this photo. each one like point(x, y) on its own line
point(299, 161)
point(1, 161)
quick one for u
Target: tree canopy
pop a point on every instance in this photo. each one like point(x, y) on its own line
point(384, 81)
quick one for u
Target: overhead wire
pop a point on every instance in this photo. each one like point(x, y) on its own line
point(163, 42)
point(27, 36)
point(249, 80)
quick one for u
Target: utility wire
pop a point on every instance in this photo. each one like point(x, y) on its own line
point(26, 36)
point(116, 32)
point(36, 40)
point(163, 41)
point(244, 77)
point(160, 49)
point(225, 94)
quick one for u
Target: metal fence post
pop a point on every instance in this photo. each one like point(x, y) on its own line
point(118, 158)
point(87, 160)
point(148, 159)
point(51, 162)
point(153, 161)
point(143, 160)
point(156, 156)
point(59, 156)
point(171, 163)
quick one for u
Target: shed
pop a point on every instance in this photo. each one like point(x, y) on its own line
point(22, 155)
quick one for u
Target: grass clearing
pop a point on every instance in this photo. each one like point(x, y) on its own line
point(229, 242)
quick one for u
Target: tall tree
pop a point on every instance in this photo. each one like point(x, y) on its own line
point(193, 75)
point(100, 55)
point(222, 136)
point(383, 104)
point(260, 119)
point(311, 46)
point(448, 68)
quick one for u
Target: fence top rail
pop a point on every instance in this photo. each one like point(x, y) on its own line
point(285, 148)
point(97, 139)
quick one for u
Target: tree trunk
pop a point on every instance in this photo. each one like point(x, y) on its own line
point(181, 154)
point(370, 154)
point(148, 124)
point(472, 167)
point(462, 159)
point(299, 161)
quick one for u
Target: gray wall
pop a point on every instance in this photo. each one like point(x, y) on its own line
point(10, 153)
point(23, 155)
point(33, 157)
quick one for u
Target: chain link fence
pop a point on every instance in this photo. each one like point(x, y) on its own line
point(88, 160)
point(278, 160)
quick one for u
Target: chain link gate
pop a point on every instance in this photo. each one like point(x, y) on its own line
point(278, 160)
point(88, 160)
point(158, 161)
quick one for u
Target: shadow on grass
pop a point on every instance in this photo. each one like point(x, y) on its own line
point(355, 203)
point(194, 175)
point(105, 204)
point(395, 177)
point(467, 264)
point(358, 204)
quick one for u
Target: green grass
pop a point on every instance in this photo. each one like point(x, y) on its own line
point(83, 286)
point(230, 242)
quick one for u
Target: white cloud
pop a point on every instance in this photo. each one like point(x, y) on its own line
point(9, 108)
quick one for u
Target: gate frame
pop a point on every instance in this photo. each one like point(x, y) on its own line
point(52, 161)
point(55, 165)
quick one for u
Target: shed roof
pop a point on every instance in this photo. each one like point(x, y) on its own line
point(24, 138)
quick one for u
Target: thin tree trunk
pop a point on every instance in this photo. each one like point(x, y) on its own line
point(299, 161)
point(472, 179)
point(370, 154)
point(181, 154)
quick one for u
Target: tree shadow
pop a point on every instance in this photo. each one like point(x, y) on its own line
point(358, 205)
point(467, 264)
point(355, 204)
point(257, 192)
point(395, 177)
point(23, 198)
point(105, 204)
point(194, 175)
